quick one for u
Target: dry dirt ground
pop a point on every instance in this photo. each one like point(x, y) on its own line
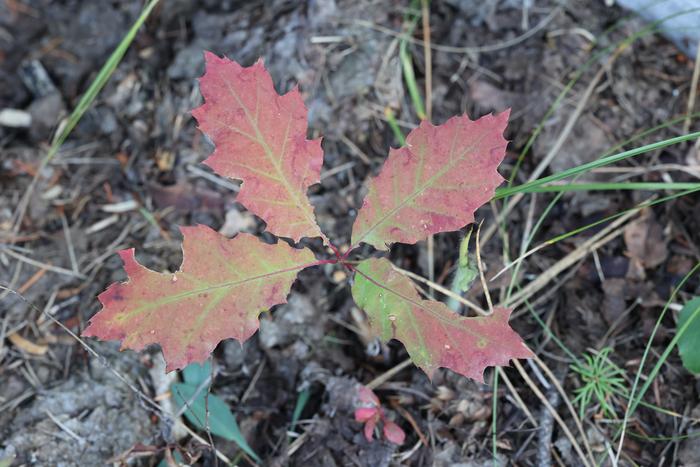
point(130, 174)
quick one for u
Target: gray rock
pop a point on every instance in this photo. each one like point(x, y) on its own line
point(241, 357)
point(297, 318)
point(273, 334)
point(36, 79)
point(188, 63)
point(45, 112)
point(679, 20)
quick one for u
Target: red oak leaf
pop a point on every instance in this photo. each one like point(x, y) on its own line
point(434, 183)
point(218, 293)
point(260, 138)
point(434, 336)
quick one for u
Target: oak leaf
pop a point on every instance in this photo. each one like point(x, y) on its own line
point(260, 138)
point(434, 336)
point(218, 293)
point(434, 183)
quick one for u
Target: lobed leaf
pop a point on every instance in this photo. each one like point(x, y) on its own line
point(218, 293)
point(434, 183)
point(433, 335)
point(260, 138)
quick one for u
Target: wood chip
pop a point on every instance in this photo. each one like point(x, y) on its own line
point(123, 206)
point(26, 345)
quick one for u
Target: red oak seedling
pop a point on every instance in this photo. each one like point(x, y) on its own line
point(431, 185)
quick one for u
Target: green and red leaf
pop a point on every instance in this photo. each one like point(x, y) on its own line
point(218, 293)
point(260, 138)
point(434, 336)
point(434, 183)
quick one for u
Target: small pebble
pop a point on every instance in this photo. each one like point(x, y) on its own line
point(15, 118)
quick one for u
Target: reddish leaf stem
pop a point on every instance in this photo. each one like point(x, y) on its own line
point(335, 251)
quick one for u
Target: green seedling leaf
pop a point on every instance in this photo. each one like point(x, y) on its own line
point(196, 373)
point(260, 138)
point(464, 276)
point(218, 293)
point(466, 267)
point(689, 342)
point(177, 457)
point(433, 335)
point(220, 421)
point(302, 399)
point(434, 183)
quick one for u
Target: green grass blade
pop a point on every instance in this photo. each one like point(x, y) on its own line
point(98, 83)
point(83, 105)
point(634, 398)
point(619, 214)
point(394, 125)
point(504, 192)
point(693, 316)
point(640, 186)
point(407, 67)
point(626, 42)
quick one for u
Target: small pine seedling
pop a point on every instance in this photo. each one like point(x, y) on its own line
point(601, 379)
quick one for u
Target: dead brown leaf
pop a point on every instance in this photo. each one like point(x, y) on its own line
point(645, 241)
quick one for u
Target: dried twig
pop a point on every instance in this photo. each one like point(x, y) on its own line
point(693, 90)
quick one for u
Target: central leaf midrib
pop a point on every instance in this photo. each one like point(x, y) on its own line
point(228, 284)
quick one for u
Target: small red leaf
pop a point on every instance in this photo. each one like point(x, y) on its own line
point(260, 138)
point(393, 432)
point(365, 413)
point(367, 396)
point(433, 334)
point(218, 293)
point(370, 425)
point(434, 183)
